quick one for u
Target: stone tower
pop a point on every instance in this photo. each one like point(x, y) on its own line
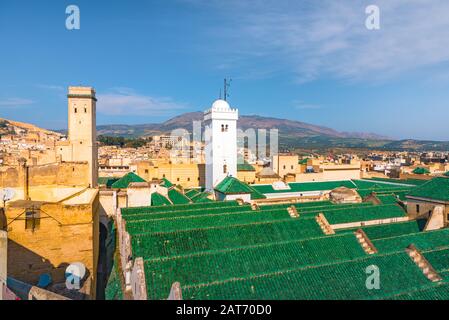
point(82, 132)
point(221, 142)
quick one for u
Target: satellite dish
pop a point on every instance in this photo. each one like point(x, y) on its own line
point(7, 194)
point(76, 270)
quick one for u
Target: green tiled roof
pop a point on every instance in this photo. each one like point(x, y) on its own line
point(438, 291)
point(128, 178)
point(421, 170)
point(222, 250)
point(388, 199)
point(347, 279)
point(192, 193)
point(177, 197)
point(113, 289)
point(390, 229)
point(422, 240)
point(159, 200)
point(303, 161)
point(439, 259)
point(165, 244)
point(202, 197)
point(245, 166)
point(231, 185)
point(412, 182)
point(364, 214)
point(166, 183)
point(242, 262)
point(256, 194)
point(446, 174)
point(221, 205)
point(436, 189)
point(107, 181)
point(306, 186)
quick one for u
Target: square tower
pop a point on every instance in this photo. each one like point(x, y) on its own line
point(82, 132)
point(221, 143)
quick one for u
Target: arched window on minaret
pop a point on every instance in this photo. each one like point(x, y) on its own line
point(225, 169)
point(226, 128)
point(222, 128)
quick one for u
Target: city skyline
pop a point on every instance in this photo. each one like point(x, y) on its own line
point(315, 63)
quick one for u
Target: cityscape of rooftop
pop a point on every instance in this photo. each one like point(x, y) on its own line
point(243, 153)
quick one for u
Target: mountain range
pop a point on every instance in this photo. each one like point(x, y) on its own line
point(289, 128)
point(292, 134)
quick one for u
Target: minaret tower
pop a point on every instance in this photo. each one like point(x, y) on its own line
point(221, 142)
point(82, 133)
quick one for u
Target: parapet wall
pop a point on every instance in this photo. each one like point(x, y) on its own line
point(65, 173)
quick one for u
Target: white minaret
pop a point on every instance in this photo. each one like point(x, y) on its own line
point(221, 142)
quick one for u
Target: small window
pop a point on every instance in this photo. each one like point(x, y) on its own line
point(198, 178)
point(146, 170)
point(76, 110)
point(222, 128)
point(85, 110)
point(284, 167)
point(292, 167)
point(417, 208)
point(32, 220)
point(177, 179)
point(163, 176)
point(188, 179)
point(225, 169)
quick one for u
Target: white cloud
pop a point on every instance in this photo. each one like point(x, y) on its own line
point(125, 101)
point(15, 102)
point(300, 105)
point(51, 87)
point(314, 39)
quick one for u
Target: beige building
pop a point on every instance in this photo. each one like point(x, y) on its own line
point(290, 169)
point(185, 174)
point(285, 164)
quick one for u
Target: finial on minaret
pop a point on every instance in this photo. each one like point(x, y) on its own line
point(227, 84)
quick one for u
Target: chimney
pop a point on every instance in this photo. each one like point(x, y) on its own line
point(24, 169)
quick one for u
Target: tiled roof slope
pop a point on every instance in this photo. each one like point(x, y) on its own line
point(128, 178)
point(245, 261)
point(166, 183)
point(245, 166)
point(165, 244)
point(231, 185)
point(177, 197)
point(437, 189)
point(159, 200)
point(222, 250)
point(306, 186)
point(347, 279)
point(107, 181)
point(390, 229)
point(421, 170)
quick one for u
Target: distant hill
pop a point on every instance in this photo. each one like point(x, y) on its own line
point(286, 127)
point(14, 127)
point(292, 134)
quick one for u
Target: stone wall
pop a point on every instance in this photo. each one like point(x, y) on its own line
point(65, 173)
point(3, 261)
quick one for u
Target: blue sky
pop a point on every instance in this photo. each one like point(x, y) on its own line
point(312, 61)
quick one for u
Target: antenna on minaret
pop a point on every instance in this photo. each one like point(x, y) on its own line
point(227, 84)
point(220, 94)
